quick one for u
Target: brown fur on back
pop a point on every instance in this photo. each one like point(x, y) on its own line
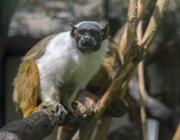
point(38, 50)
point(26, 83)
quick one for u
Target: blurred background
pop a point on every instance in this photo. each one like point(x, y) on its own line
point(24, 22)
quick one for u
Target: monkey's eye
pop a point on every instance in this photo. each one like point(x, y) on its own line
point(94, 32)
point(81, 32)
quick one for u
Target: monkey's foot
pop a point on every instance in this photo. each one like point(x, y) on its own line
point(71, 117)
point(84, 109)
point(55, 108)
point(72, 114)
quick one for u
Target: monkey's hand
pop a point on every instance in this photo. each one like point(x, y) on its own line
point(55, 108)
point(72, 115)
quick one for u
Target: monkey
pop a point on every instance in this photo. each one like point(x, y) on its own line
point(95, 89)
point(57, 67)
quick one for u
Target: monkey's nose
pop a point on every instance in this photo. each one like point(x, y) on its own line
point(87, 38)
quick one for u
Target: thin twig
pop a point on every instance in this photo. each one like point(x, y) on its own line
point(147, 42)
point(142, 96)
point(142, 6)
point(59, 133)
point(121, 36)
point(130, 36)
point(124, 87)
point(155, 19)
point(142, 88)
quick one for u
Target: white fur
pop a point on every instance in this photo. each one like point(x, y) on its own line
point(62, 63)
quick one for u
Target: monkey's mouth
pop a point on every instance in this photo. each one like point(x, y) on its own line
point(86, 47)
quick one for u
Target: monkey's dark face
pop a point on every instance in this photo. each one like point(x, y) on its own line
point(88, 37)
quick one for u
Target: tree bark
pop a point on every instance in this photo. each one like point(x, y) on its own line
point(35, 127)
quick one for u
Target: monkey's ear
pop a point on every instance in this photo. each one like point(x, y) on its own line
point(104, 31)
point(73, 30)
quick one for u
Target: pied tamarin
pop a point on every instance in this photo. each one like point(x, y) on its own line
point(57, 67)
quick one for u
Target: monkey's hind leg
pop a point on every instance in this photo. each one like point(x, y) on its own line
point(26, 88)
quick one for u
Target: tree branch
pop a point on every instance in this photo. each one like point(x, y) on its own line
point(35, 127)
point(155, 19)
point(103, 128)
point(142, 96)
point(142, 89)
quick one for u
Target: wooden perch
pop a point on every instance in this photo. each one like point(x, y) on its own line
point(42, 122)
point(35, 127)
